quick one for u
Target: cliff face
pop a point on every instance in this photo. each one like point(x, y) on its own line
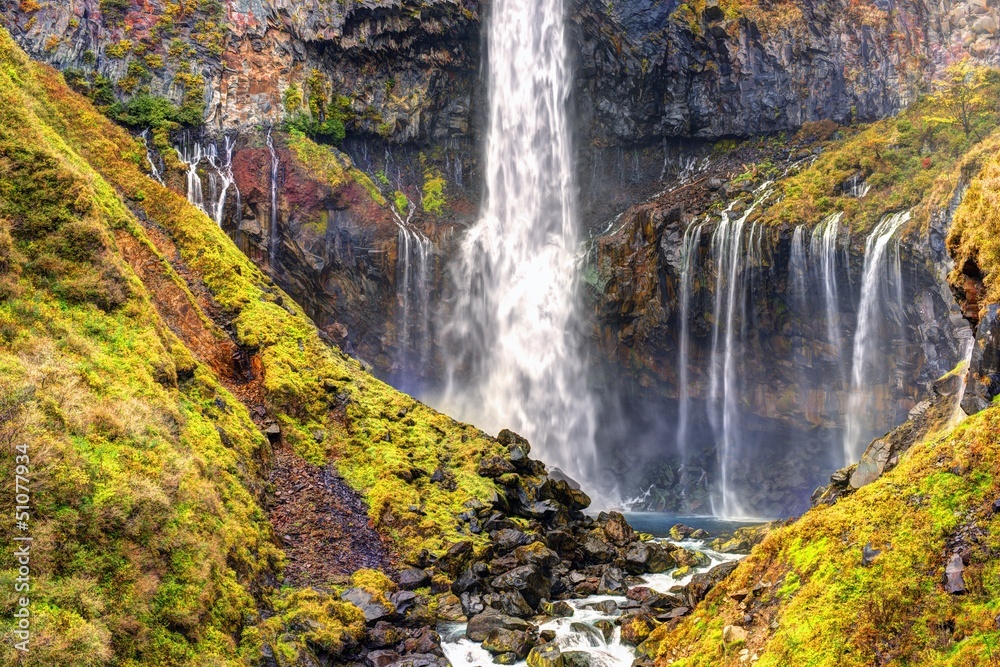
point(409, 70)
point(721, 68)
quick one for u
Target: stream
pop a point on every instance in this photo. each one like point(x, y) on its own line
point(580, 632)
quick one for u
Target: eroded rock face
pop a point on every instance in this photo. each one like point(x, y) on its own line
point(983, 383)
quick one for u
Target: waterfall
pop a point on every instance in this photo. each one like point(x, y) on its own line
point(413, 290)
point(882, 280)
point(191, 155)
point(689, 265)
point(823, 247)
point(154, 171)
point(798, 269)
point(273, 234)
point(222, 172)
point(514, 346)
point(734, 253)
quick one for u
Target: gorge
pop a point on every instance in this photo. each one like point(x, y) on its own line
point(698, 259)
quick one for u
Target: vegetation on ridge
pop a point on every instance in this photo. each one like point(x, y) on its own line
point(151, 547)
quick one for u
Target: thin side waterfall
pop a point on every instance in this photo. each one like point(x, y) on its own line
point(154, 171)
point(734, 251)
point(273, 234)
point(689, 265)
point(224, 173)
point(798, 269)
point(413, 290)
point(879, 288)
point(191, 154)
point(823, 248)
point(514, 337)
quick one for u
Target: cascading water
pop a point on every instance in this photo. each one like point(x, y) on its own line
point(514, 346)
point(223, 172)
point(823, 250)
point(734, 253)
point(154, 170)
point(273, 232)
point(880, 288)
point(798, 269)
point(191, 155)
point(689, 260)
point(413, 289)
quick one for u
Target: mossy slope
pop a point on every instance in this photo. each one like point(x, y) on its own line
point(151, 547)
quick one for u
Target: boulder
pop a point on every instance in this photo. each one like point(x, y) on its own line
point(511, 603)
point(413, 578)
point(502, 640)
point(509, 539)
point(481, 625)
point(690, 558)
point(450, 609)
point(537, 554)
point(373, 607)
point(557, 609)
point(528, 580)
point(596, 549)
point(468, 581)
point(733, 634)
point(381, 658)
point(954, 579)
point(636, 628)
point(494, 466)
point(617, 530)
point(506, 659)
point(456, 558)
point(680, 532)
point(576, 659)
point(384, 635)
point(546, 655)
point(612, 582)
point(607, 629)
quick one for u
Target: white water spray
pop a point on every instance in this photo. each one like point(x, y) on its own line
point(513, 342)
point(881, 282)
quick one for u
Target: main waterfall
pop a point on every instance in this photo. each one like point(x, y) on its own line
point(512, 341)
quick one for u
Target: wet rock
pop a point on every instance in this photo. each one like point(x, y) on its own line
point(690, 558)
point(472, 603)
point(468, 581)
point(606, 607)
point(381, 658)
point(612, 582)
point(502, 640)
point(618, 530)
point(456, 558)
point(647, 597)
point(511, 603)
point(635, 629)
point(384, 634)
point(450, 609)
point(481, 625)
point(596, 549)
point(537, 554)
point(607, 629)
point(557, 609)
point(506, 659)
point(373, 608)
point(509, 539)
point(680, 532)
point(413, 578)
point(576, 659)
point(547, 655)
point(954, 575)
point(528, 580)
point(421, 660)
point(593, 636)
point(426, 640)
point(983, 382)
point(494, 467)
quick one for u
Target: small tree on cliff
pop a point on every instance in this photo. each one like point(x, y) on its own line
point(963, 96)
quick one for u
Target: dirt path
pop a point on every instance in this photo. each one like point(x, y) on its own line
point(321, 523)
